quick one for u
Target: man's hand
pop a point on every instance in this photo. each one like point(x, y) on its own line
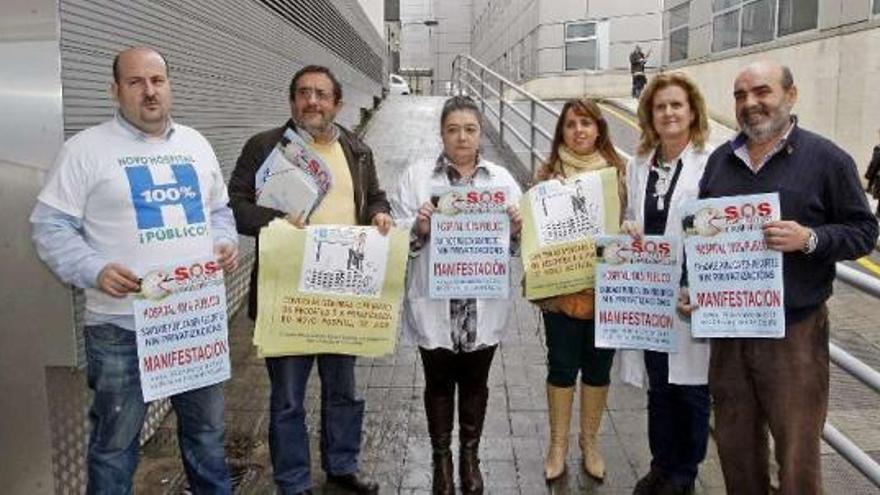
point(227, 255)
point(117, 280)
point(684, 305)
point(632, 229)
point(786, 236)
point(423, 219)
point(515, 220)
point(298, 220)
point(384, 222)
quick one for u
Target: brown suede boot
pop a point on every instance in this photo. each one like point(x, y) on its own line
point(471, 413)
point(593, 401)
point(559, 402)
point(440, 411)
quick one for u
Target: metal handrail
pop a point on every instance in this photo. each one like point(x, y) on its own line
point(866, 283)
point(471, 78)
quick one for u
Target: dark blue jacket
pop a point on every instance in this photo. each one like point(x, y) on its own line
point(818, 187)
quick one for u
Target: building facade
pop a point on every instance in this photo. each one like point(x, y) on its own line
point(832, 47)
point(530, 39)
point(432, 34)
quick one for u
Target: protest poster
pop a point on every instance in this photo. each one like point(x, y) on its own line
point(181, 328)
point(734, 279)
point(329, 289)
point(637, 284)
point(470, 243)
point(560, 222)
point(293, 178)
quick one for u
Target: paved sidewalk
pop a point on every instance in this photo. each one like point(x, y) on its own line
point(396, 449)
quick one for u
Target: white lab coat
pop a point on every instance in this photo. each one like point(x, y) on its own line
point(690, 364)
point(425, 320)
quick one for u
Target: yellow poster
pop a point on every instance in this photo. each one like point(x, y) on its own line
point(561, 220)
point(329, 289)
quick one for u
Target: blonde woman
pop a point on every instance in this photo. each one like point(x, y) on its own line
point(662, 177)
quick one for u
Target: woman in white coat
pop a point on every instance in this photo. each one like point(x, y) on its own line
point(457, 338)
point(661, 178)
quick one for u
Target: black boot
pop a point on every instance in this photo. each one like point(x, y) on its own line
point(440, 411)
point(471, 413)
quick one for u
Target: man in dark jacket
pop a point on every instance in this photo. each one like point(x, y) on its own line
point(783, 383)
point(354, 199)
point(873, 175)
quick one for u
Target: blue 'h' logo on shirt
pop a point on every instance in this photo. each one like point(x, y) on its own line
point(149, 198)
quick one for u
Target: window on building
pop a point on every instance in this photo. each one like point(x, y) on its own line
point(725, 31)
point(800, 15)
point(678, 32)
point(758, 22)
point(740, 23)
point(877, 6)
point(581, 46)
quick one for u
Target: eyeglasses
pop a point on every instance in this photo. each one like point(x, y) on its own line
point(319, 94)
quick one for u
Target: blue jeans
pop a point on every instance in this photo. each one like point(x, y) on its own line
point(678, 422)
point(117, 415)
point(342, 416)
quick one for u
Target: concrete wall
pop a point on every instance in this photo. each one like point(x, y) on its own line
point(434, 47)
point(836, 68)
point(837, 80)
point(524, 39)
point(375, 10)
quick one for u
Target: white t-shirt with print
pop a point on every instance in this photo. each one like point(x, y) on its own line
point(143, 203)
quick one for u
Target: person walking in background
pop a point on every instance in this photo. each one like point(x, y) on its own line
point(94, 228)
point(355, 199)
point(457, 338)
point(662, 177)
point(782, 384)
point(581, 143)
point(637, 62)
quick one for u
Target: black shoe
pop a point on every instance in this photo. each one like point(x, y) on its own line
point(353, 484)
point(650, 484)
point(305, 492)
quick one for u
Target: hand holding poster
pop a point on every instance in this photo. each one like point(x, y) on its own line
point(636, 289)
point(181, 329)
point(470, 243)
point(293, 178)
point(735, 280)
point(560, 222)
point(329, 289)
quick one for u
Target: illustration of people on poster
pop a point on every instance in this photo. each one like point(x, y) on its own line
point(329, 289)
point(470, 244)
point(560, 222)
point(181, 329)
point(734, 279)
point(637, 284)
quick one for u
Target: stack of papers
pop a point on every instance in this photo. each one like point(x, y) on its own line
point(293, 178)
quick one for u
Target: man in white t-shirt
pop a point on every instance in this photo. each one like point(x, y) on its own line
point(135, 192)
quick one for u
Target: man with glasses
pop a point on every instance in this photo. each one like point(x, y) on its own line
point(355, 198)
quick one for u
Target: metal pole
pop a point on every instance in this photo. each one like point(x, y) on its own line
point(483, 91)
point(859, 280)
point(852, 453)
point(532, 116)
point(501, 110)
point(866, 374)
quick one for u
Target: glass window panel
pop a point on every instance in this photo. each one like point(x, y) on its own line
point(877, 6)
point(800, 15)
point(758, 22)
point(583, 30)
point(580, 55)
point(678, 44)
point(725, 31)
point(679, 15)
point(723, 4)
